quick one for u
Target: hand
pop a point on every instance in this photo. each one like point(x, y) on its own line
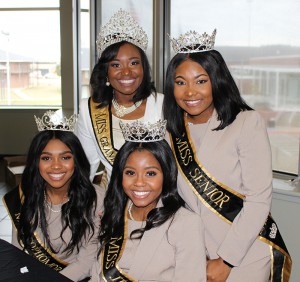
point(217, 270)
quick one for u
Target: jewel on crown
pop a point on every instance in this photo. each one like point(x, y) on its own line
point(121, 27)
point(52, 120)
point(193, 42)
point(144, 132)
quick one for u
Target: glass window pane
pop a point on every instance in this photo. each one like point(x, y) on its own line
point(140, 10)
point(85, 48)
point(29, 3)
point(30, 58)
point(259, 42)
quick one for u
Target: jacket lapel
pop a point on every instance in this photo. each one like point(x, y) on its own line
point(148, 246)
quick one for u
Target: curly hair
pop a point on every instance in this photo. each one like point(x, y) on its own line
point(77, 213)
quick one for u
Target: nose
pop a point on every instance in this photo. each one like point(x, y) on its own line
point(126, 71)
point(56, 164)
point(139, 181)
point(190, 91)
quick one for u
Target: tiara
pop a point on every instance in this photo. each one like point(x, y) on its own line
point(52, 120)
point(144, 132)
point(193, 42)
point(121, 27)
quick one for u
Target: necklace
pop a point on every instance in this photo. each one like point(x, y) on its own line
point(129, 211)
point(50, 205)
point(121, 110)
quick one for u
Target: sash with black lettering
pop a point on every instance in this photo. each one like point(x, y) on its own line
point(102, 125)
point(227, 203)
point(112, 253)
point(13, 201)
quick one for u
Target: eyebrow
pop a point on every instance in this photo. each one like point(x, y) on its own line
point(62, 153)
point(148, 167)
point(202, 74)
point(131, 58)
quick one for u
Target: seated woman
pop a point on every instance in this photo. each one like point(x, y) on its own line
point(55, 209)
point(146, 233)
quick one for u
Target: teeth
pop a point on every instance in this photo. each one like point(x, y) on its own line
point(140, 193)
point(57, 175)
point(127, 81)
point(192, 102)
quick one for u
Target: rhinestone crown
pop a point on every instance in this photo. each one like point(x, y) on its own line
point(121, 27)
point(52, 120)
point(144, 132)
point(193, 42)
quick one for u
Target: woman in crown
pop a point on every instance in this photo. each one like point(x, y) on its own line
point(55, 210)
point(121, 90)
point(146, 233)
point(223, 152)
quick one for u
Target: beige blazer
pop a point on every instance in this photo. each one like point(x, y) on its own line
point(238, 156)
point(173, 252)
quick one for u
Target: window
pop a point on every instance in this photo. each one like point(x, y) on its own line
point(84, 76)
point(141, 11)
point(30, 54)
point(258, 41)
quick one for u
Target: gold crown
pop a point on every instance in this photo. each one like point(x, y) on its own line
point(52, 120)
point(121, 27)
point(144, 132)
point(193, 42)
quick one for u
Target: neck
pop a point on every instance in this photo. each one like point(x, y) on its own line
point(56, 196)
point(203, 118)
point(124, 100)
point(139, 213)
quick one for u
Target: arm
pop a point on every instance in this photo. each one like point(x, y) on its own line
point(85, 134)
point(254, 155)
point(188, 240)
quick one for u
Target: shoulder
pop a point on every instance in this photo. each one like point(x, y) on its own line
point(246, 122)
point(83, 103)
point(156, 99)
point(184, 218)
point(160, 98)
point(185, 223)
point(185, 214)
point(249, 117)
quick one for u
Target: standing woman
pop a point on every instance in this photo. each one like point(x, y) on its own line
point(223, 152)
point(121, 90)
point(55, 209)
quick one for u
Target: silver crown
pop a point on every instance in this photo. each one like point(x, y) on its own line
point(121, 27)
point(144, 132)
point(52, 120)
point(193, 42)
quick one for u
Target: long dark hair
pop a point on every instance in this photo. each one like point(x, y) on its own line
point(103, 94)
point(226, 96)
point(77, 213)
point(116, 199)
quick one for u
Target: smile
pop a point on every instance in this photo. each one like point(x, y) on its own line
point(192, 102)
point(141, 194)
point(127, 81)
point(56, 176)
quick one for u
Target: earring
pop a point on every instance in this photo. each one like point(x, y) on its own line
point(107, 83)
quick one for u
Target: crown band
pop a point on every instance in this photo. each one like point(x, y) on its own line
point(51, 120)
point(193, 42)
point(121, 27)
point(144, 132)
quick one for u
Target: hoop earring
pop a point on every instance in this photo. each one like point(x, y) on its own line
point(107, 83)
